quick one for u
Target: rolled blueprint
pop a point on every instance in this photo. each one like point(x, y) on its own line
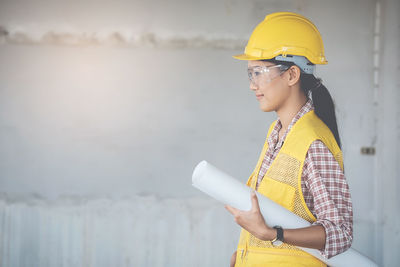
point(228, 190)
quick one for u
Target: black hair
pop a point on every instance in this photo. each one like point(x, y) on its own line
point(324, 106)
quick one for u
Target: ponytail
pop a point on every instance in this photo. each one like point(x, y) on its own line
point(323, 102)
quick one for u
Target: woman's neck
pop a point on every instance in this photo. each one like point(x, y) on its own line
point(291, 107)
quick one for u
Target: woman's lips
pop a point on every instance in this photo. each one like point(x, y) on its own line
point(259, 96)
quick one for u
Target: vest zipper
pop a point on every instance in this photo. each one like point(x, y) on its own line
point(244, 253)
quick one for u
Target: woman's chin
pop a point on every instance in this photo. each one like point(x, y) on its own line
point(266, 108)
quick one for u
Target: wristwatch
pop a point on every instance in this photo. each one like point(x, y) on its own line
point(278, 240)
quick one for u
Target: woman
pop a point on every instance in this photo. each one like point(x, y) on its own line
point(301, 165)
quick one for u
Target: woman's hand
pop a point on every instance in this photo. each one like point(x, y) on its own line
point(252, 220)
point(313, 236)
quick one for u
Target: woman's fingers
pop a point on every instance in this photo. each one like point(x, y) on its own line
point(251, 220)
point(232, 210)
point(254, 202)
point(254, 205)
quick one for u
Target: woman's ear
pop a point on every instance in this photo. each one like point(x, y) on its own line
point(294, 75)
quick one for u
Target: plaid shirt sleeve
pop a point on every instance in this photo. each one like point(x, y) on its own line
point(327, 195)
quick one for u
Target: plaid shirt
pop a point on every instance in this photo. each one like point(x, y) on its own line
point(324, 188)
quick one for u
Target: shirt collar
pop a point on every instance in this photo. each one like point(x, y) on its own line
point(273, 140)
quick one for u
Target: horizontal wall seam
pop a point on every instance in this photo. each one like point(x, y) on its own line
point(118, 38)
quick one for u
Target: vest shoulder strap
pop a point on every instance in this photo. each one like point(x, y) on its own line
point(305, 131)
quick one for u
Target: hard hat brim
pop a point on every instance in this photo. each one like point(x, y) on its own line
point(248, 57)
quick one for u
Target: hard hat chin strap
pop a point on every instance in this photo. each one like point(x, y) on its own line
point(302, 62)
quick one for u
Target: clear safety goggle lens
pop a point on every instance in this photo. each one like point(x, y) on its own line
point(265, 74)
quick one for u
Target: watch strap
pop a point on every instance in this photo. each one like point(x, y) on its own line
point(279, 233)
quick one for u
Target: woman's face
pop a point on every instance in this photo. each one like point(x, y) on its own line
point(268, 84)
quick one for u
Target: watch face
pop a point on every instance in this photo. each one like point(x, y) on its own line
point(277, 243)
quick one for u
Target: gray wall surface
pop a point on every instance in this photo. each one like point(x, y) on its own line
point(106, 107)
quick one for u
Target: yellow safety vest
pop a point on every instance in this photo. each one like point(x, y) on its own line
point(282, 184)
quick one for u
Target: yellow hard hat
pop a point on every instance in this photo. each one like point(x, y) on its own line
point(285, 33)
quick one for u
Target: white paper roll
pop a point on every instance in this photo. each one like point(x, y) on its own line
point(228, 190)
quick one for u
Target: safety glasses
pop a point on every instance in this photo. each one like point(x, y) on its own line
point(258, 74)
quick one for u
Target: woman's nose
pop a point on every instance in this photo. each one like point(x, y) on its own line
point(253, 86)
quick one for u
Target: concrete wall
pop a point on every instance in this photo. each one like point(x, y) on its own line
point(387, 161)
point(106, 107)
